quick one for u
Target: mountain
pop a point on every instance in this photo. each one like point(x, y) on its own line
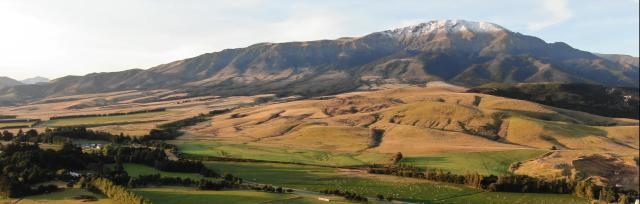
point(8, 82)
point(460, 52)
point(35, 80)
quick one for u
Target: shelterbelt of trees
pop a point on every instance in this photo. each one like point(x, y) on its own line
point(107, 114)
point(24, 164)
point(511, 183)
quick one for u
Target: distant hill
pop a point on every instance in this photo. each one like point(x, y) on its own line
point(8, 82)
point(459, 52)
point(624, 60)
point(595, 99)
point(35, 80)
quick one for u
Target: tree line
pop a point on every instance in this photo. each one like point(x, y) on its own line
point(509, 183)
point(352, 196)
point(107, 114)
point(116, 192)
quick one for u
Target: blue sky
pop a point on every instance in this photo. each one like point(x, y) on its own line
point(76, 37)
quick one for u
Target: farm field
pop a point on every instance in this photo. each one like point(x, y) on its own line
point(322, 178)
point(278, 154)
point(406, 189)
point(135, 170)
point(184, 195)
point(520, 198)
point(102, 120)
point(61, 197)
point(484, 163)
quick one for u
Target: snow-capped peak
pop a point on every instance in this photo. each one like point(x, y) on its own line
point(450, 26)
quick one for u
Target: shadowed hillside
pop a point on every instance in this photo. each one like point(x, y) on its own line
point(601, 100)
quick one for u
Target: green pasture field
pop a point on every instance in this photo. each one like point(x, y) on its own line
point(485, 163)
point(135, 170)
point(185, 195)
point(324, 178)
point(405, 189)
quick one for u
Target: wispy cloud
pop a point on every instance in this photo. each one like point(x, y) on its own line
point(558, 12)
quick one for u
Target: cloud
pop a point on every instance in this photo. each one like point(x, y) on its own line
point(558, 12)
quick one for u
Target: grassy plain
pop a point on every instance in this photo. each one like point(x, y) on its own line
point(485, 163)
point(184, 195)
point(322, 178)
point(135, 170)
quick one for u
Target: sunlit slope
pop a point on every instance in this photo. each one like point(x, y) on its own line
point(418, 120)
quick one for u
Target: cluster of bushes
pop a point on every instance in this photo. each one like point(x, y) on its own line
point(106, 114)
point(346, 194)
point(157, 180)
point(116, 192)
point(13, 120)
point(220, 111)
point(20, 136)
point(269, 189)
point(184, 122)
point(10, 189)
point(162, 134)
point(609, 194)
point(229, 181)
point(8, 116)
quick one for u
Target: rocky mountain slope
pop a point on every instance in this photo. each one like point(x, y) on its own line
point(460, 52)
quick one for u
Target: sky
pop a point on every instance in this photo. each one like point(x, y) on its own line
point(77, 37)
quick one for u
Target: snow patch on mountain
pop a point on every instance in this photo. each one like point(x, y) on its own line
point(445, 26)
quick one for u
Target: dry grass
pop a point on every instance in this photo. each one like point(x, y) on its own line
point(417, 121)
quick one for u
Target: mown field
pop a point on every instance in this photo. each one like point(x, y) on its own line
point(135, 170)
point(485, 163)
point(278, 154)
point(104, 119)
point(60, 197)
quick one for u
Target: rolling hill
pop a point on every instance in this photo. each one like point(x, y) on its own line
point(363, 127)
point(591, 98)
point(457, 51)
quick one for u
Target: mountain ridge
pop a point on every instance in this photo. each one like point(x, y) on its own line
point(8, 82)
point(460, 52)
